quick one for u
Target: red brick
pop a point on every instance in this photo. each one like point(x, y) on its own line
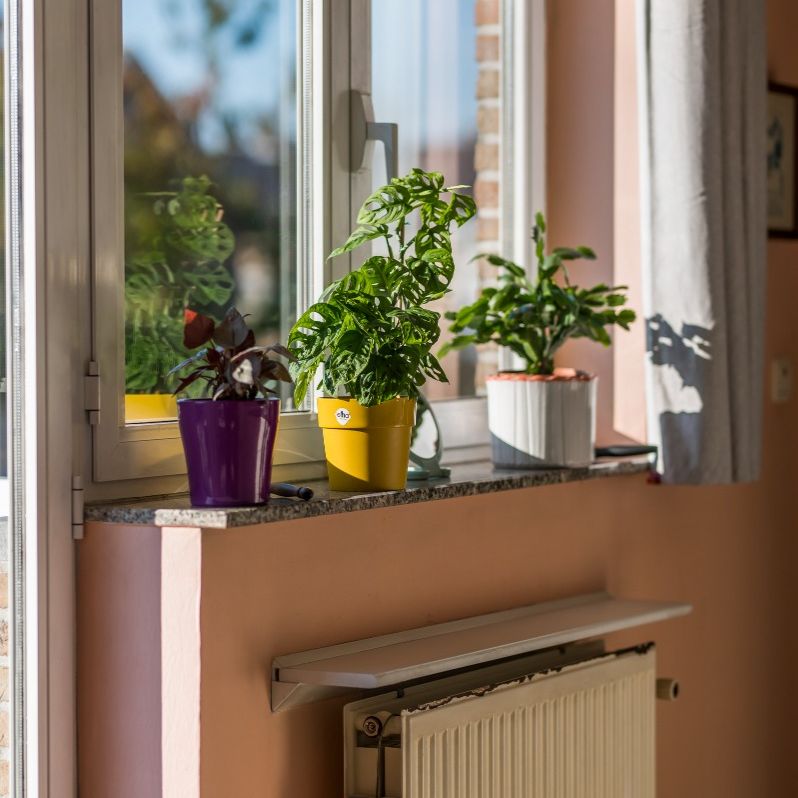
point(488, 84)
point(488, 119)
point(487, 229)
point(487, 12)
point(486, 156)
point(487, 48)
point(486, 193)
point(4, 740)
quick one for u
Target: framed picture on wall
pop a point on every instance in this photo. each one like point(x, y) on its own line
point(782, 161)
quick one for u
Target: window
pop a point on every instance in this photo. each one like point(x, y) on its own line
point(234, 120)
point(209, 103)
point(436, 70)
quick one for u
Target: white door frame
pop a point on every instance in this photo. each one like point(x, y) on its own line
point(44, 364)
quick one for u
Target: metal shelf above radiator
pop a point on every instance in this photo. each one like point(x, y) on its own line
point(396, 659)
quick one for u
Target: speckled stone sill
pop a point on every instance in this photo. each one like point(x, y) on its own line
point(471, 479)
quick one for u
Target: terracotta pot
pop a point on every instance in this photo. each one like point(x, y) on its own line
point(542, 421)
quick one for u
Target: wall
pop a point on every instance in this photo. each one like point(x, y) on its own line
point(728, 550)
point(782, 341)
point(731, 551)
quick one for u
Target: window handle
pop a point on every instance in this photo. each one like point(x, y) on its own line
point(365, 129)
point(388, 134)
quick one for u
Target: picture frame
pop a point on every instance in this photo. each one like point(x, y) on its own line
point(782, 160)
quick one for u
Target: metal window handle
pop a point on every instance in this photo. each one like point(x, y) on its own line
point(364, 130)
point(388, 134)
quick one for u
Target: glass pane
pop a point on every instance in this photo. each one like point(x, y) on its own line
point(210, 178)
point(9, 671)
point(435, 71)
point(4, 493)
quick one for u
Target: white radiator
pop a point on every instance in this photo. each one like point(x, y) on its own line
point(581, 731)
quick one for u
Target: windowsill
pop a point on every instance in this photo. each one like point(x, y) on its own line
point(469, 479)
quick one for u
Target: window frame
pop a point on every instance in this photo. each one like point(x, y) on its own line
point(47, 241)
point(147, 458)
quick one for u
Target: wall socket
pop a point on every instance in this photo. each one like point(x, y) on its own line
point(781, 380)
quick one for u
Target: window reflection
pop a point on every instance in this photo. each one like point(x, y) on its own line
point(435, 71)
point(210, 166)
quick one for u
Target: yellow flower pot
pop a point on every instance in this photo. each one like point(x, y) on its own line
point(367, 448)
point(150, 407)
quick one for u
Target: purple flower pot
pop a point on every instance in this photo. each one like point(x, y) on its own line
point(228, 446)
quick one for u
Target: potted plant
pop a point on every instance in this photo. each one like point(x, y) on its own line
point(541, 416)
point(228, 437)
point(371, 335)
point(180, 261)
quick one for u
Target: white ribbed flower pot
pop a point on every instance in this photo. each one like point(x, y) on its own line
point(539, 421)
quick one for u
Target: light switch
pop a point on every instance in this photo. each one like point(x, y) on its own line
point(781, 380)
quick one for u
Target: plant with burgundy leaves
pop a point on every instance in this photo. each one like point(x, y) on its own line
point(230, 363)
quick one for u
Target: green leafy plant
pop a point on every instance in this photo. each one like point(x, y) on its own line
point(535, 319)
point(369, 330)
point(180, 263)
point(229, 364)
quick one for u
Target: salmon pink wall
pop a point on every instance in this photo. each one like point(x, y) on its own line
point(302, 584)
point(728, 550)
point(731, 551)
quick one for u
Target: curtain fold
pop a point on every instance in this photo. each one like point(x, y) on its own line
point(703, 187)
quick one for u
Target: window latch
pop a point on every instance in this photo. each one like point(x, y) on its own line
point(91, 392)
point(364, 129)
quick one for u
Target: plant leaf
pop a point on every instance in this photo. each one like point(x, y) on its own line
point(197, 329)
point(233, 331)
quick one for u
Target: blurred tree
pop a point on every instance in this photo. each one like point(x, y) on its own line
point(164, 145)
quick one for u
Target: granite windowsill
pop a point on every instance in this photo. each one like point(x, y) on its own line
point(470, 479)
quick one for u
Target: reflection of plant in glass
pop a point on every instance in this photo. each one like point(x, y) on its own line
point(370, 330)
point(218, 117)
point(535, 319)
point(181, 263)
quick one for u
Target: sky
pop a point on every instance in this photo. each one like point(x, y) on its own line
point(166, 37)
point(424, 67)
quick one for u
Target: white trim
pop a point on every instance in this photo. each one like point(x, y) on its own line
point(25, 484)
point(45, 423)
point(526, 86)
point(181, 570)
point(523, 132)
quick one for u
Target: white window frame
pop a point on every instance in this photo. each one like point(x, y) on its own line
point(142, 459)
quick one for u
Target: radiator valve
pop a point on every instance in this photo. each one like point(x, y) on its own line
point(667, 689)
point(378, 724)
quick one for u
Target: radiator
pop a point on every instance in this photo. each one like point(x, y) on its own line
point(585, 730)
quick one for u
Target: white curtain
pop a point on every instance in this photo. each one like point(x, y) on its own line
point(703, 118)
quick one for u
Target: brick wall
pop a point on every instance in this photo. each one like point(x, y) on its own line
point(487, 189)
